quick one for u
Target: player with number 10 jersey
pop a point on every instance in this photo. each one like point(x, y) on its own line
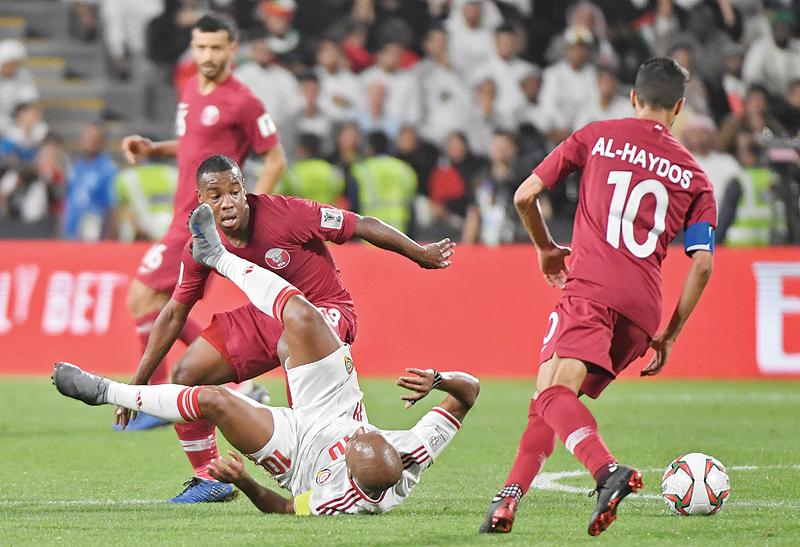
point(645, 186)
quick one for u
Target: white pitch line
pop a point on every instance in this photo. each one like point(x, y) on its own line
point(549, 481)
point(79, 503)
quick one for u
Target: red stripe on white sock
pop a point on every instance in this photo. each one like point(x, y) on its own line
point(281, 299)
point(188, 405)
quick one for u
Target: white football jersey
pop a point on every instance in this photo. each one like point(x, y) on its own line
point(320, 483)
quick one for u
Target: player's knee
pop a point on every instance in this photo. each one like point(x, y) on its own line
point(300, 316)
point(184, 374)
point(214, 401)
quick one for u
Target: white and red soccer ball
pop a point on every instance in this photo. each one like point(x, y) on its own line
point(695, 484)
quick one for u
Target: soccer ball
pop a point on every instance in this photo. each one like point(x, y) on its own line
point(695, 484)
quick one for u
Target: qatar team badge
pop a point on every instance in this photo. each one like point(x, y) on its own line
point(277, 258)
point(323, 476)
point(348, 365)
point(209, 115)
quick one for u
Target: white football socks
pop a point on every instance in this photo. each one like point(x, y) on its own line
point(169, 402)
point(267, 291)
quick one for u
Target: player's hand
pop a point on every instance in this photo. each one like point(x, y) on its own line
point(553, 265)
point(435, 255)
point(421, 384)
point(225, 470)
point(123, 416)
point(663, 345)
point(135, 147)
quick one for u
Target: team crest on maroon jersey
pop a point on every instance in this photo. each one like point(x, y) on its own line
point(210, 115)
point(277, 258)
point(323, 476)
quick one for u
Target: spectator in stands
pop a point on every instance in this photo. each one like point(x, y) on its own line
point(754, 222)
point(445, 97)
point(533, 116)
point(788, 109)
point(124, 26)
point(701, 138)
point(494, 195)
point(312, 177)
point(375, 115)
point(507, 70)
point(276, 86)
point(570, 83)
point(20, 143)
point(85, 19)
point(610, 103)
point(484, 119)
point(402, 101)
point(23, 197)
point(145, 193)
point(448, 208)
point(773, 61)
point(732, 83)
point(386, 185)
point(168, 35)
point(586, 15)
point(91, 196)
point(419, 154)
point(16, 82)
point(470, 26)
point(755, 119)
point(696, 93)
point(340, 89)
point(310, 118)
point(354, 45)
point(347, 152)
point(285, 41)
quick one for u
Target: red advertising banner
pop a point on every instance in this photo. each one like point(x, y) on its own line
point(486, 314)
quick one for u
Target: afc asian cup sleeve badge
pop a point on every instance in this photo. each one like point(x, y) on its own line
point(277, 259)
point(331, 219)
point(323, 476)
point(209, 115)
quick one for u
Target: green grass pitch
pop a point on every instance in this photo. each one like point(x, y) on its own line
point(67, 479)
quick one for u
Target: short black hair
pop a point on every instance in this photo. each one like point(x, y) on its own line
point(661, 82)
point(312, 144)
point(215, 22)
point(217, 164)
point(378, 142)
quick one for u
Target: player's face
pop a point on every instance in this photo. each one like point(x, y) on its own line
point(224, 192)
point(212, 52)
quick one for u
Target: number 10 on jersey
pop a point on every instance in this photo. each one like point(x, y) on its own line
point(622, 215)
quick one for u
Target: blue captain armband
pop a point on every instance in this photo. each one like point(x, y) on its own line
point(698, 237)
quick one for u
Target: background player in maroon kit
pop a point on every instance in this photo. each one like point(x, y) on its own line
point(217, 114)
point(287, 236)
point(639, 187)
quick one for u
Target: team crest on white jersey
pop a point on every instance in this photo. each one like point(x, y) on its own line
point(348, 365)
point(209, 115)
point(277, 259)
point(331, 218)
point(323, 476)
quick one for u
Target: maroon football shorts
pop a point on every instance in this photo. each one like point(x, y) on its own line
point(248, 338)
point(604, 339)
point(161, 264)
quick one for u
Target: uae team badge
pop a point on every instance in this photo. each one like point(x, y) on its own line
point(348, 365)
point(277, 258)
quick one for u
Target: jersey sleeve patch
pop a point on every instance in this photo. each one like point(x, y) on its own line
point(332, 219)
point(698, 237)
point(302, 505)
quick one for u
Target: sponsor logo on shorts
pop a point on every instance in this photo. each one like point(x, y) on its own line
point(438, 438)
point(323, 476)
point(277, 258)
point(331, 218)
point(348, 365)
point(209, 115)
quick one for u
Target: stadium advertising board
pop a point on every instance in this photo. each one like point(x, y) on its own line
point(486, 314)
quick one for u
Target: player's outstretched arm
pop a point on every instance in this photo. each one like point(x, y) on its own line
point(431, 256)
point(551, 255)
point(233, 471)
point(462, 389)
point(274, 166)
point(693, 286)
point(136, 147)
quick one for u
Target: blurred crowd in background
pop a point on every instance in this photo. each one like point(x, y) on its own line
point(427, 113)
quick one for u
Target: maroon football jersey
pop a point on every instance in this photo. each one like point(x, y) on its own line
point(639, 187)
point(288, 237)
point(230, 120)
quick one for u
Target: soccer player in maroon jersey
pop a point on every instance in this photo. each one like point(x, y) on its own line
point(217, 114)
point(285, 235)
point(639, 187)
